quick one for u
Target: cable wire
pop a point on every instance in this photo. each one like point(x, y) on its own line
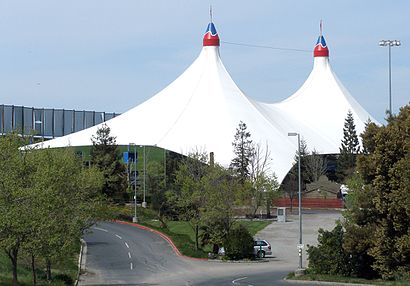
point(266, 47)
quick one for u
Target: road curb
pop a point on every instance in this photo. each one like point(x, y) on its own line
point(81, 260)
point(324, 283)
point(164, 236)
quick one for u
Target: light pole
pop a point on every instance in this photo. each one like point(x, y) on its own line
point(144, 203)
point(135, 219)
point(389, 43)
point(300, 245)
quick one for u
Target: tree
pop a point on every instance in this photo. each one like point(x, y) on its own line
point(190, 194)
point(315, 166)
point(349, 149)
point(222, 196)
point(290, 182)
point(239, 243)
point(66, 201)
point(263, 181)
point(106, 156)
point(243, 151)
point(386, 171)
point(15, 203)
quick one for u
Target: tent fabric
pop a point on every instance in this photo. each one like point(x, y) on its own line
point(203, 107)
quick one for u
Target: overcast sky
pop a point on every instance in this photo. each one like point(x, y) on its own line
point(113, 55)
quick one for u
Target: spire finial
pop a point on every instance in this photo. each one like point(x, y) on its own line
point(321, 27)
point(210, 12)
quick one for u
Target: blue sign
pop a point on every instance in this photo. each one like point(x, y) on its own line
point(125, 157)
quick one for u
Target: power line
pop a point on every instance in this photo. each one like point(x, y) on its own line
point(266, 47)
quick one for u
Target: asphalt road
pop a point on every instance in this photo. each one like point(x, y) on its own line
point(125, 255)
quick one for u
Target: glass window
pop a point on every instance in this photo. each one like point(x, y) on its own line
point(8, 118)
point(39, 122)
point(48, 122)
point(89, 119)
point(78, 120)
point(68, 121)
point(109, 116)
point(18, 119)
point(28, 120)
point(58, 122)
point(98, 117)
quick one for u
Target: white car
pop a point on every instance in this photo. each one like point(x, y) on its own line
point(261, 248)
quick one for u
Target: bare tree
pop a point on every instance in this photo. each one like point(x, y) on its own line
point(263, 180)
point(315, 166)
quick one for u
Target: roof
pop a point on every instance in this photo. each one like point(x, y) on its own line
point(203, 107)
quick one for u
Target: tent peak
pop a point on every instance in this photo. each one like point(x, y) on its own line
point(321, 49)
point(211, 37)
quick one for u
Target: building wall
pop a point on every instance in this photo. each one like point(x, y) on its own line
point(48, 122)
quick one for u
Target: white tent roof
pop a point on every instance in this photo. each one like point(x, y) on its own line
point(203, 107)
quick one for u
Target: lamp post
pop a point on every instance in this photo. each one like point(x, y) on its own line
point(135, 219)
point(144, 203)
point(300, 245)
point(389, 43)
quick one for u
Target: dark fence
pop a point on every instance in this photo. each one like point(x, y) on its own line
point(48, 122)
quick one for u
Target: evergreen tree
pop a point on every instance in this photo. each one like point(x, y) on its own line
point(243, 150)
point(106, 156)
point(349, 149)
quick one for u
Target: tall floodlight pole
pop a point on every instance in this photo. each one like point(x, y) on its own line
point(144, 203)
point(389, 43)
point(135, 219)
point(300, 246)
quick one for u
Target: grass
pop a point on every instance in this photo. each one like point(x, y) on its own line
point(63, 273)
point(181, 232)
point(342, 279)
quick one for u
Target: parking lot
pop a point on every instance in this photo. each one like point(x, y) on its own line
point(284, 236)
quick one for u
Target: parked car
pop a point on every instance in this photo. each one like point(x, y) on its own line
point(261, 248)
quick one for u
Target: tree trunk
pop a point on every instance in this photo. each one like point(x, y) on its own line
point(197, 237)
point(33, 270)
point(12, 253)
point(48, 269)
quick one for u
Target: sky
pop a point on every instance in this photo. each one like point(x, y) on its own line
point(113, 55)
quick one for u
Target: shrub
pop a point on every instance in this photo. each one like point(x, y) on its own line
point(239, 243)
point(329, 256)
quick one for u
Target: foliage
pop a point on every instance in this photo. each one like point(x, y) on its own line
point(377, 220)
point(189, 198)
point(106, 156)
point(242, 146)
point(386, 172)
point(349, 149)
point(222, 195)
point(47, 200)
point(329, 257)
point(239, 243)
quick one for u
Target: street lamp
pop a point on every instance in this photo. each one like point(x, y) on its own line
point(300, 245)
point(144, 203)
point(135, 219)
point(389, 43)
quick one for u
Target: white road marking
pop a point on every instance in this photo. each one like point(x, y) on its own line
point(131, 265)
point(98, 228)
point(129, 255)
point(118, 236)
point(238, 279)
point(126, 244)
